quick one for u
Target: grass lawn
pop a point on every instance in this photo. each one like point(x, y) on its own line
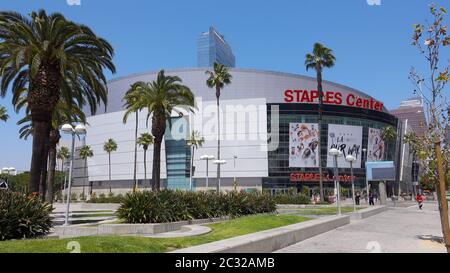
point(129, 244)
point(320, 211)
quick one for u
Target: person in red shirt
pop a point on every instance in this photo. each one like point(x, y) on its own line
point(419, 199)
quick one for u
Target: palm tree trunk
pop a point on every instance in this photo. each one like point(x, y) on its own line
point(85, 175)
point(158, 130)
point(64, 174)
point(319, 89)
point(135, 151)
point(109, 162)
point(43, 176)
point(145, 165)
point(218, 137)
point(51, 173)
point(40, 138)
point(156, 164)
point(192, 168)
point(42, 99)
point(54, 138)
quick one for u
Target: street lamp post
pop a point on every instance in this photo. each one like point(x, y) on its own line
point(219, 162)
point(191, 167)
point(234, 170)
point(207, 158)
point(78, 130)
point(367, 180)
point(336, 153)
point(351, 159)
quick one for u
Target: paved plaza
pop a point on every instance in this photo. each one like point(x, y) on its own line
point(399, 229)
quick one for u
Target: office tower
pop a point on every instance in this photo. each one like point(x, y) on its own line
point(212, 47)
point(412, 110)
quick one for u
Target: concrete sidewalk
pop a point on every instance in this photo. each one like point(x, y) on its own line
point(396, 230)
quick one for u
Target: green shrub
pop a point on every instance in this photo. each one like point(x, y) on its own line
point(23, 216)
point(73, 197)
point(82, 197)
point(292, 199)
point(59, 196)
point(345, 192)
point(172, 206)
point(305, 191)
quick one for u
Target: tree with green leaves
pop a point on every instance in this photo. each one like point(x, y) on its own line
point(430, 38)
point(321, 57)
point(217, 79)
point(3, 113)
point(145, 140)
point(52, 58)
point(109, 147)
point(160, 98)
point(132, 98)
point(194, 141)
point(85, 153)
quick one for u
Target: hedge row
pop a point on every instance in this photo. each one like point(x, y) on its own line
point(172, 206)
point(110, 198)
point(292, 199)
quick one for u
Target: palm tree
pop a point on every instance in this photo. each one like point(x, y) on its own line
point(218, 79)
point(160, 98)
point(3, 114)
point(195, 140)
point(388, 134)
point(131, 98)
point(109, 147)
point(145, 140)
point(85, 153)
point(63, 154)
point(51, 57)
point(321, 57)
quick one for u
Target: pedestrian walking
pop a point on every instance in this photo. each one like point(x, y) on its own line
point(419, 199)
point(371, 196)
point(375, 197)
point(357, 198)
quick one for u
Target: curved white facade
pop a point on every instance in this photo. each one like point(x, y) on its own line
point(244, 126)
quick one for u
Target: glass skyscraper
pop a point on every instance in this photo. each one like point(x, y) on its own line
point(212, 47)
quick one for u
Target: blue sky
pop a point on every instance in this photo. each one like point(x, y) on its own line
point(371, 43)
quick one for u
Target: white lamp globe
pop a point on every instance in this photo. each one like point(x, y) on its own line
point(220, 162)
point(350, 158)
point(80, 129)
point(334, 152)
point(67, 128)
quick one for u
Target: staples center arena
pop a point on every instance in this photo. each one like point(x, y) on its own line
point(269, 135)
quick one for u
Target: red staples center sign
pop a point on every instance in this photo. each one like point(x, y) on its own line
point(315, 177)
point(332, 97)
